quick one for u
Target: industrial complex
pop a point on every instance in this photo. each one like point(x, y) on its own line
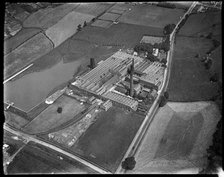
point(86, 87)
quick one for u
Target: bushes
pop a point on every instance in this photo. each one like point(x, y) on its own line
point(144, 47)
point(152, 58)
point(165, 45)
point(215, 151)
point(85, 24)
point(208, 64)
point(166, 5)
point(162, 101)
point(168, 29)
point(214, 77)
point(79, 27)
point(164, 61)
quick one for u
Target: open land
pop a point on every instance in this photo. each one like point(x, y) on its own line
point(49, 118)
point(68, 28)
point(202, 24)
point(178, 138)
point(15, 120)
point(189, 80)
point(102, 23)
point(216, 67)
point(94, 9)
point(38, 159)
point(117, 35)
point(25, 53)
point(109, 16)
point(106, 141)
point(14, 145)
point(45, 18)
point(148, 15)
point(19, 38)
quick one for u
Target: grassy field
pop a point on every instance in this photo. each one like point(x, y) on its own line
point(117, 34)
point(189, 81)
point(15, 144)
point(49, 118)
point(148, 15)
point(109, 16)
point(216, 56)
point(19, 38)
point(37, 159)
point(26, 53)
point(102, 23)
point(202, 24)
point(15, 120)
point(106, 141)
point(94, 9)
point(68, 24)
point(45, 18)
point(177, 138)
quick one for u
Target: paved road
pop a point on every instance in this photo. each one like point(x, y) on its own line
point(133, 148)
point(34, 139)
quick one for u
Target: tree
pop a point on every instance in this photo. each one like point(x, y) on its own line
point(164, 61)
point(162, 101)
point(209, 36)
point(214, 77)
point(59, 110)
point(79, 27)
point(85, 24)
point(165, 45)
point(166, 95)
point(216, 43)
point(168, 29)
point(129, 163)
point(143, 47)
point(208, 64)
point(151, 57)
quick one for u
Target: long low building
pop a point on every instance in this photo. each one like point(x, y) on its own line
point(122, 99)
point(107, 73)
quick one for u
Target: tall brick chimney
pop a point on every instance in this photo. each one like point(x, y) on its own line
point(131, 78)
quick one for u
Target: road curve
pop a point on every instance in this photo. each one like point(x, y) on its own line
point(34, 139)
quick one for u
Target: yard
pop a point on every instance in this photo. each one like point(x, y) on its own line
point(50, 118)
point(153, 16)
point(189, 80)
point(107, 140)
